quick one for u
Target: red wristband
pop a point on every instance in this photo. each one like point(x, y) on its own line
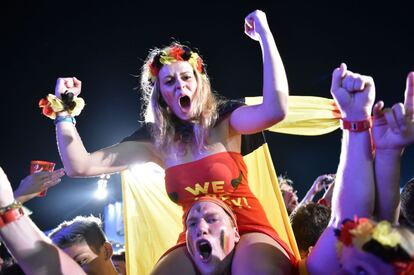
point(356, 126)
point(10, 216)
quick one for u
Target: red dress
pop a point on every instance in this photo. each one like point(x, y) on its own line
point(222, 175)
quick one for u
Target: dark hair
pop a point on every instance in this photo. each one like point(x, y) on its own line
point(308, 222)
point(120, 256)
point(407, 203)
point(80, 229)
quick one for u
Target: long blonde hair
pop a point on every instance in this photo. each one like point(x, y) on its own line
point(167, 129)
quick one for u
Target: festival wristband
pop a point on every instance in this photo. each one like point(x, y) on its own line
point(69, 119)
point(356, 126)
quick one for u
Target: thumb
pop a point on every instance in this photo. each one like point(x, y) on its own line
point(38, 169)
point(337, 76)
point(377, 110)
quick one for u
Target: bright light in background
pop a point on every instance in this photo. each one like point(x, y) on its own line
point(102, 192)
point(146, 169)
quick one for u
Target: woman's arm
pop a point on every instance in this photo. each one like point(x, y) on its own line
point(252, 119)
point(78, 162)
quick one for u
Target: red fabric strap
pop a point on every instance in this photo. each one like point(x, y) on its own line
point(356, 126)
point(10, 216)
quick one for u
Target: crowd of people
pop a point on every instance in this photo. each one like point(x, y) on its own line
point(361, 224)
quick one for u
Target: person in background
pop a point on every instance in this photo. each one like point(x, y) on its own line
point(353, 242)
point(289, 194)
point(308, 223)
point(85, 242)
point(290, 197)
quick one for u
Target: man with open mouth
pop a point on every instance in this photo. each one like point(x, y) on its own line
point(211, 235)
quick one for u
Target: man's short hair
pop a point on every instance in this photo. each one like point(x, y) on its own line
point(120, 256)
point(407, 202)
point(308, 222)
point(80, 229)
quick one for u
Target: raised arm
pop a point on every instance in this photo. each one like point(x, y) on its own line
point(251, 119)
point(78, 162)
point(29, 246)
point(393, 130)
point(354, 183)
point(321, 182)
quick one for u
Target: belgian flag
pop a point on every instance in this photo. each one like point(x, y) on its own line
point(153, 222)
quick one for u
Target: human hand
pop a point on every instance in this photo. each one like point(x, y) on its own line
point(354, 94)
point(255, 25)
point(6, 191)
point(393, 128)
point(322, 183)
point(35, 183)
point(69, 84)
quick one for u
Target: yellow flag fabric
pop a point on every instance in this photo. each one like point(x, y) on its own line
point(307, 116)
point(153, 221)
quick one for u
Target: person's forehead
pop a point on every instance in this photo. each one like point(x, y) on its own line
point(179, 66)
point(286, 187)
point(202, 208)
point(78, 249)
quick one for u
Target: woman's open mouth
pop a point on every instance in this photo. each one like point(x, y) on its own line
point(185, 103)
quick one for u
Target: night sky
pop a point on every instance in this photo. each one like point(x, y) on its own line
point(104, 43)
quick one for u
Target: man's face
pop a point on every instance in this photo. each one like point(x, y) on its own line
point(91, 262)
point(289, 196)
point(211, 236)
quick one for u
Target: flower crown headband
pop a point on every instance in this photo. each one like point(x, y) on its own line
point(378, 239)
point(173, 54)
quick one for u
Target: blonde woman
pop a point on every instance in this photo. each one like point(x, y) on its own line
point(196, 137)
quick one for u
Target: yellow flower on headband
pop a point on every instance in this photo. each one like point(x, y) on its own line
point(194, 60)
point(167, 59)
point(384, 234)
point(362, 233)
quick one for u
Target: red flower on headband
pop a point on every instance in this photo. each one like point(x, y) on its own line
point(153, 69)
point(199, 65)
point(46, 108)
point(402, 268)
point(346, 237)
point(177, 53)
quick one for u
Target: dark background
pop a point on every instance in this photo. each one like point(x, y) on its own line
point(104, 43)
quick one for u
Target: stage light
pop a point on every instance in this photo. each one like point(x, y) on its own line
point(102, 192)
